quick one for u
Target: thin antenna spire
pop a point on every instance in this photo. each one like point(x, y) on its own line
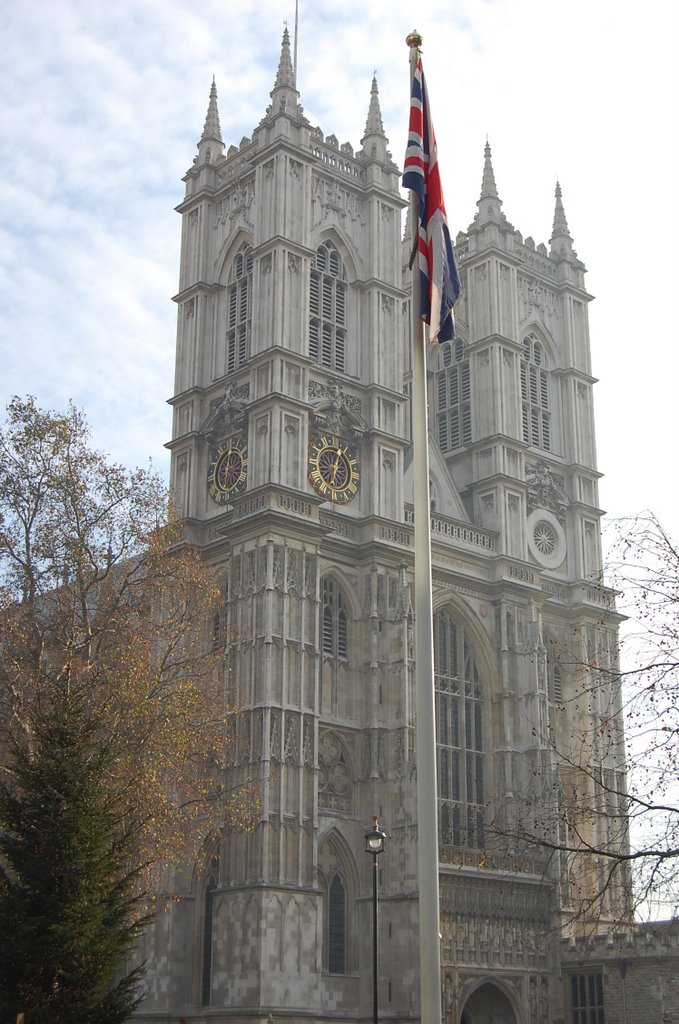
point(294, 65)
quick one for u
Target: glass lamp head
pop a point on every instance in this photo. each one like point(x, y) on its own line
point(374, 839)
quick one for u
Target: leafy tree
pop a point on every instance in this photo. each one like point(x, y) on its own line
point(102, 598)
point(609, 817)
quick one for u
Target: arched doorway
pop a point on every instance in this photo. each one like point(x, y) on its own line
point(488, 1005)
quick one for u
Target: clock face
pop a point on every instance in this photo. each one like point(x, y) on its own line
point(228, 470)
point(333, 469)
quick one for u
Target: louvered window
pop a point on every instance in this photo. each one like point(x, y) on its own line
point(334, 640)
point(327, 309)
point(554, 675)
point(238, 310)
point(216, 631)
point(453, 398)
point(535, 395)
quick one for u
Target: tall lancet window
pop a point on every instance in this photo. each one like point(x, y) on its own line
point(453, 398)
point(535, 397)
point(211, 883)
point(239, 309)
point(337, 925)
point(459, 713)
point(327, 309)
point(337, 882)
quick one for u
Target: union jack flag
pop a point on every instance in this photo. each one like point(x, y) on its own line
point(439, 277)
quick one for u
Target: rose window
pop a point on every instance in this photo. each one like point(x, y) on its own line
point(544, 538)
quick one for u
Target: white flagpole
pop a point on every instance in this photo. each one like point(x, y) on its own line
point(294, 63)
point(425, 729)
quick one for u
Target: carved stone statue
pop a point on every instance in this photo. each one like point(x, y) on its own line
point(545, 489)
point(227, 414)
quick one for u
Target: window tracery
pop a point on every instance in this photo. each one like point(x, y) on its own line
point(337, 882)
point(334, 776)
point(459, 714)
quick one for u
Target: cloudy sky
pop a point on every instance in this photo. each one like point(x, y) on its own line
point(102, 105)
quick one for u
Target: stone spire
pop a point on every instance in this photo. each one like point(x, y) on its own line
point(284, 95)
point(374, 141)
point(373, 124)
point(285, 78)
point(561, 243)
point(211, 146)
point(489, 203)
point(488, 186)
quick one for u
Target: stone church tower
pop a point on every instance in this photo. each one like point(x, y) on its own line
point(291, 461)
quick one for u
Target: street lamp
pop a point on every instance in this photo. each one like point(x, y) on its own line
point(374, 845)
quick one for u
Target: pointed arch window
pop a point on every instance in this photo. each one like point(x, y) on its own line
point(208, 932)
point(337, 881)
point(328, 308)
point(239, 309)
point(459, 713)
point(337, 925)
point(535, 395)
point(453, 398)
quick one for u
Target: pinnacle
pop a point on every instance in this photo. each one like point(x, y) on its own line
point(211, 129)
point(373, 125)
point(560, 225)
point(488, 186)
point(285, 78)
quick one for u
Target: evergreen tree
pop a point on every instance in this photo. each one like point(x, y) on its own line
point(114, 716)
point(70, 905)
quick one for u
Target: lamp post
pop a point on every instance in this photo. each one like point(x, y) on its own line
point(374, 845)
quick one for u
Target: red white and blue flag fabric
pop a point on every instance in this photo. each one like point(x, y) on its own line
point(439, 277)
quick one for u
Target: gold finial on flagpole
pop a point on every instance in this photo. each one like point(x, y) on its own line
point(414, 39)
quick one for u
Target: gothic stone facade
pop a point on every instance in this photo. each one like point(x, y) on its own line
point(291, 462)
